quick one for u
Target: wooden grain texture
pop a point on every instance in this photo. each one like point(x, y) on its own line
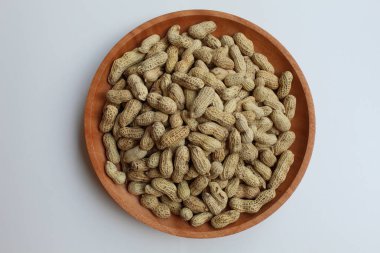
point(303, 123)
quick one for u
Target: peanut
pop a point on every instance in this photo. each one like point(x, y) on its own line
point(184, 64)
point(174, 136)
point(201, 30)
point(213, 129)
point(154, 160)
point(131, 110)
point(188, 82)
point(232, 187)
point(126, 144)
point(156, 60)
point(262, 62)
point(237, 57)
point(183, 190)
point(220, 58)
point(186, 214)
point(230, 164)
point(198, 185)
point(220, 117)
point(148, 118)
point(134, 154)
point(200, 161)
point(212, 41)
point(111, 149)
point(252, 206)
point(134, 133)
point(166, 163)
point(208, 78)
point(280, 121)
point(270, 79)
point(283, 165)
point(108, 120)
point(224, 219)
point(290, 106)
point(118, 96)
point(227, 40)
point(121, 64)
point(136, 188)
point(285, 140)
point(172, 60)
point(245, 44)
point(204, 54)
point(166, 187)
point(181, 163)
point(247, 192)
point(176, 39)
point(117, 176)
point(195, 204)
point(268, 157)
point(161, 103)
point(150, 190)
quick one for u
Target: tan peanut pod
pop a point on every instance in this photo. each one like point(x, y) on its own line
point(227, 40)
point(285, 140)
point(161, 211)
point(216, 169)
point(219, 73)
point(191, 122)
point(198, 185)
point(268, 158)
point(139, 165)
point(248, 152)
point(232, 187)
point(230, 164)
point(150, 190)
point(268, 109)
point(118, 96)
point(166, 187)
point(108, 119)
point(183, 190)
point(189, 97)
point(184, 64)
point(220, 58)
point(175, 207)
point(119, 85)
point(224, 219)
point(208, 78)
point(217, 102)
point(131, 110)
point(263, 124)
point(202, 101)
point(134, 154)
point(250, 116)
point(264, 138)
point(175, 120)
point(131, 70)
point(175, 92)
point(251, 68)
point(230, 93)
point(176, 39)
point(187, 82)
point(174, 136)
point(121, 64)
point(237, 57)
point(190, 50)
point(200, 64)
point(243, 127)
point(112, 172)
point(111, 149)
point(153, 173)
point(246, 175)
point(290, 106)
point(234, 141)
point(263, 94)
point(160, 46)
point(222, 183)
point(262, 62)
point(152, 75)
point(245, 45)
point(186, 214)
point(212, 41)
point(263, 183)
point(181, 163)
point(137, 176)
point(148, 118)
point(206, 142)
point(238, 79)
point(149, 201)
point(201, 30)
point(200, 219)
point(136, 188)
point(164, 82)
point(172, 52)
point(259, 81)
point(158, 130)
point(230, 106)
point(252, 206)
point(147, 43)
point(201, 164)
point(204, 54)
point(280, 121)
point(283, 165)
point(146, 142)
point(217, 192)
point(126, 143)
point(156, 60)
point(154, 160)
point(219, 154)
point(243, 94)
point(262, 169)
point(220, 117)
point(195, 204)
point(247, 192)
point(285, 82)
point(250, 106)
point(162, 103)
point(213, 205)
point(213, 129)
point(135, 133)
point(166, 163)
point(271, 80)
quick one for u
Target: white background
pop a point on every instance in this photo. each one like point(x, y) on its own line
point(50, 199)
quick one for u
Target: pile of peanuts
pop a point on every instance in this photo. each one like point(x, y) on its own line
point(198, 126)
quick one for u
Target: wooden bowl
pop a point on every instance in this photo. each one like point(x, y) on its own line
point(303, 123)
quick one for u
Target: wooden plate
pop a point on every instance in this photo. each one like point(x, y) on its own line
point(303, 123)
